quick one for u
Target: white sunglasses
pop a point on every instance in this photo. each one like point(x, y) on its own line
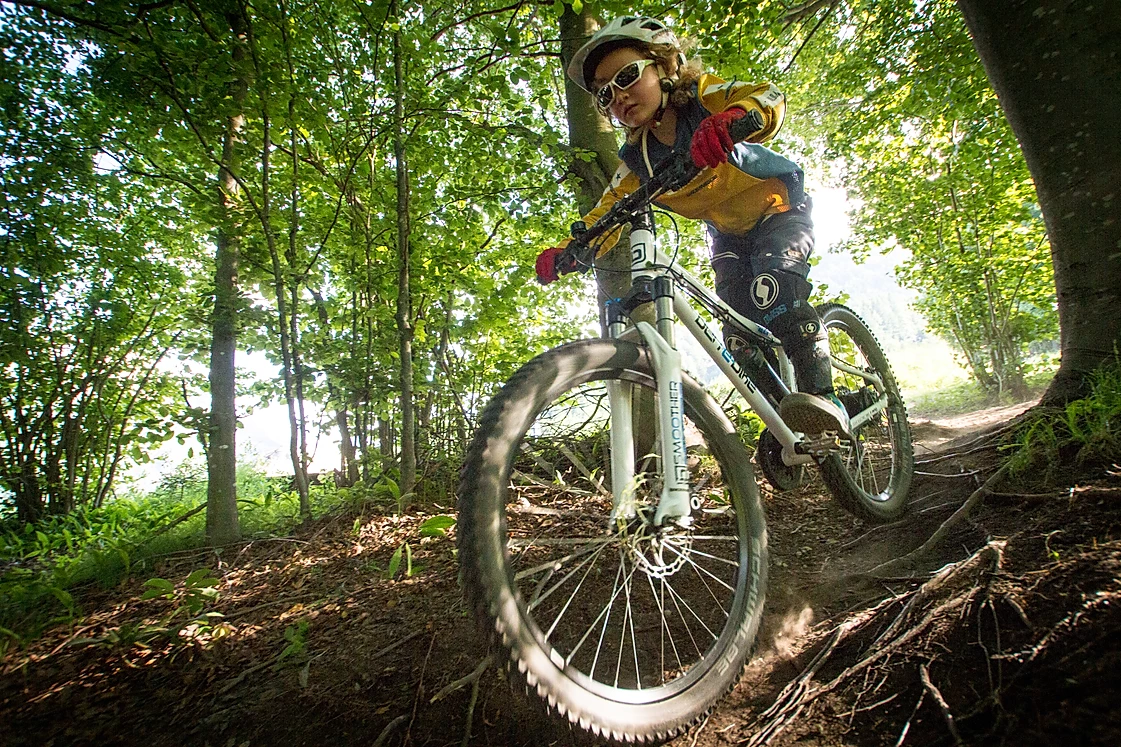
point(626, 77)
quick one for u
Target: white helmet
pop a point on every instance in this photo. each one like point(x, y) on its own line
point(641, 29)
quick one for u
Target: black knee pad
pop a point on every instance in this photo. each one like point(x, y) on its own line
point(795, 322)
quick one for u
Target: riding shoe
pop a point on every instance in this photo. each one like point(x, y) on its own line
point(815, 413)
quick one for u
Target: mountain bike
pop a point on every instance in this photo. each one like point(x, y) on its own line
point(611, 534)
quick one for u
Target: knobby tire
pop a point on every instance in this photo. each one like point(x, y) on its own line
point(871, 476)
point(518, 583)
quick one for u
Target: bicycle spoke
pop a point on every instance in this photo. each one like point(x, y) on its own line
point(568, 602)
point(726, 561)
point(713, 576)
point(598, 544)
point(587, 561)
point(623, 627)
point(677, 598)
point(607, 618)
point(665, 629)
point(634, 641)
point(616, 589)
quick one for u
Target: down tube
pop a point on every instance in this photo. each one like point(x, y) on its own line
point(704, 334)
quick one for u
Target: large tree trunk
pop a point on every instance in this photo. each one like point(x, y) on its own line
point(589, 130)
point(221, 493)
point(1056, 68)
point(404, 301)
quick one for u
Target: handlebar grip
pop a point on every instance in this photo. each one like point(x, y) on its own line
point(746, 126)
point(565, 262)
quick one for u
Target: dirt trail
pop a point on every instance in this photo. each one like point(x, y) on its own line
point(932, 434)
point(323, 649)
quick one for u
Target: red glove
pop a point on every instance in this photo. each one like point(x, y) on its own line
point(547, 265)
point(711, 142)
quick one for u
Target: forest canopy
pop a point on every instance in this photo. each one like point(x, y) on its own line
point(358, 190)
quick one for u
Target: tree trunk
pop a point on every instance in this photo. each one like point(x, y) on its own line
point(1055, 66)
point(221, 492)
point(293, 324)
point(299, 472)
point(589, 130)
point(404, 302)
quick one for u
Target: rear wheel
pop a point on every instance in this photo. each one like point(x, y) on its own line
point(630, 630)
point(871, 476)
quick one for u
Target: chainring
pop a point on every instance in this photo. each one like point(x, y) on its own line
point(768, 455)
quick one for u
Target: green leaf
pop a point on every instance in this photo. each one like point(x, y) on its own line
point(158, 587)
point(201, 578)
point(436, 526)
point(395, 562)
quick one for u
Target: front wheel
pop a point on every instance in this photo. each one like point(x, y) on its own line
point(631, 630)
point(871, 476)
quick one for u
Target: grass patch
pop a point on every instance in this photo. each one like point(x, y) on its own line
point(1084, 433)
point(958, 396)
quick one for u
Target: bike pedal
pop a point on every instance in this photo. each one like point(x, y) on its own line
point(821, 446)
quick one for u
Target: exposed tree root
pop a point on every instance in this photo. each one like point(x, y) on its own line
point(924, 675)
point(896, 564)
point(942, 597)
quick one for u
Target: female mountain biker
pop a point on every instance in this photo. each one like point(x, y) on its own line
point(751, 198)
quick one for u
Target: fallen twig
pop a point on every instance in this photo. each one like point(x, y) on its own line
point(942, 476)
point(469, 719)
point(907, 726)
point(389, 729)
point(419, 688)
point(583, 469)
point(168, 527)
point(395, 644)
point(251, 670)
point(940, 533)
point(463, 682)
point(790, 701)
point(964, 449)
point(697, 733)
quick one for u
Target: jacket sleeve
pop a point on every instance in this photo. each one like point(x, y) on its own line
point(717, 95)
point(622, 184)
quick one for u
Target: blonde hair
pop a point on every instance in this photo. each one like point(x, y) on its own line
point(672, 60)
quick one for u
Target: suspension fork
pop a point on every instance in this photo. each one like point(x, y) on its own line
point(674, 502)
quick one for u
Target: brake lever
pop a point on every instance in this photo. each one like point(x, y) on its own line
point(677, 173)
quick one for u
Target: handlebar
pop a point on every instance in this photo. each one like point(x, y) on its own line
point(673, 173)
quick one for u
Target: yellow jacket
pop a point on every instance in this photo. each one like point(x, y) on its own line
point(730, 198)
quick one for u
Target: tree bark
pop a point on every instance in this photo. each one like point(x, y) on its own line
point(221, 507)
point(1056, 67)
point(590, 130)
point(299, 472)
point(404, 301)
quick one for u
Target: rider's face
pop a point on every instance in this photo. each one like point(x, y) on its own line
point(636, 105)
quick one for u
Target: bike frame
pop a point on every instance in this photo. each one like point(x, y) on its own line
point(673, 286)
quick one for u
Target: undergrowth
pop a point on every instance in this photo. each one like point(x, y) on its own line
point(1083, 433)
point(42, 565)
